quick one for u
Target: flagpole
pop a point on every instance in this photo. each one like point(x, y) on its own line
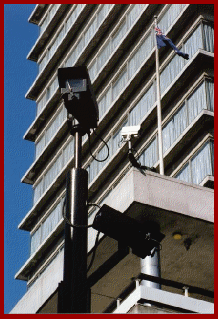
point(159, 119)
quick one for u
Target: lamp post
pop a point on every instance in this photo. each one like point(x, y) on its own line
point(75, 249)
point(80, 102)
point(74, 292)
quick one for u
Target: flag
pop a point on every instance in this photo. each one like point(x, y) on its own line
point(163, 41)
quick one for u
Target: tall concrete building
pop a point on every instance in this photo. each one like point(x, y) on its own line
point(117, 44)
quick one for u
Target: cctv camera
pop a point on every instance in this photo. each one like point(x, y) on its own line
point(130, 131)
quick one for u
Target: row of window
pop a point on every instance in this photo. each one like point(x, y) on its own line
point(179, 122)
point(171, 14)
point(201, 99)
point(84, 39)
point(135, 61)
point(48, 16)
point(190, 46)
point(115, 90)
point(50, 131)
point(52, 272)
point(55, 168)
point(199, 166)
point(88, 34)
point(132, 15)
point(49, 52)
point(186, 114)
point(46, 226)
point(77, 49)
point(115, 39)
point(167, 75)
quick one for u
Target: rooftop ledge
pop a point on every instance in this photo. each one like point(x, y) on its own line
point(162, 193)
point(167, 299)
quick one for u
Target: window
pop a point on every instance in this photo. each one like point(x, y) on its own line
point(140, 55)
point(197, 102)
point(170, 72)
point(190, 46)
point(116, 38)
point(50, 131)
point(59, 37)
point(210, 95)
point(194, 42)
point(52, 172)
point(150, 155)
point(117, 137)
point(46, 226)
point(134, 13)
point(119, 85)
point(48, 16)
point(208, 32)
point(184, 174)
point(186, 114)
point(104, 103)
point(142, 107)
point(199, 165)
point(169, 16)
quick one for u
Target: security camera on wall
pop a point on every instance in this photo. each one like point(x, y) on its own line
point(129, 131)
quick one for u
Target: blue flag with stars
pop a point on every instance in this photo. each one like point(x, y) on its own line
point(163, 41)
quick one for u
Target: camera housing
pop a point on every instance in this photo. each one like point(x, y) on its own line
point(129, 131)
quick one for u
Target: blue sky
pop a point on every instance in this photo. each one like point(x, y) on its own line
point(19, 74)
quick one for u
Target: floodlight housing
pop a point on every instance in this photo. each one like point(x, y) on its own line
point(141, 237)
point(78, 95)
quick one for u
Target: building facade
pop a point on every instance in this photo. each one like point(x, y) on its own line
point(117, 44)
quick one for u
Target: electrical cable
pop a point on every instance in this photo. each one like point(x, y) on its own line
point(94, 251)
point(92, 204)
point(148, 236)
point(103, 160)
point(76, 226)
point(68, 222)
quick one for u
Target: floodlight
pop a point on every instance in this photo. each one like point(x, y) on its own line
point(141, 237)
point(79, 99)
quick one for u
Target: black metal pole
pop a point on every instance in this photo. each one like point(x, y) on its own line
point(75, 297)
